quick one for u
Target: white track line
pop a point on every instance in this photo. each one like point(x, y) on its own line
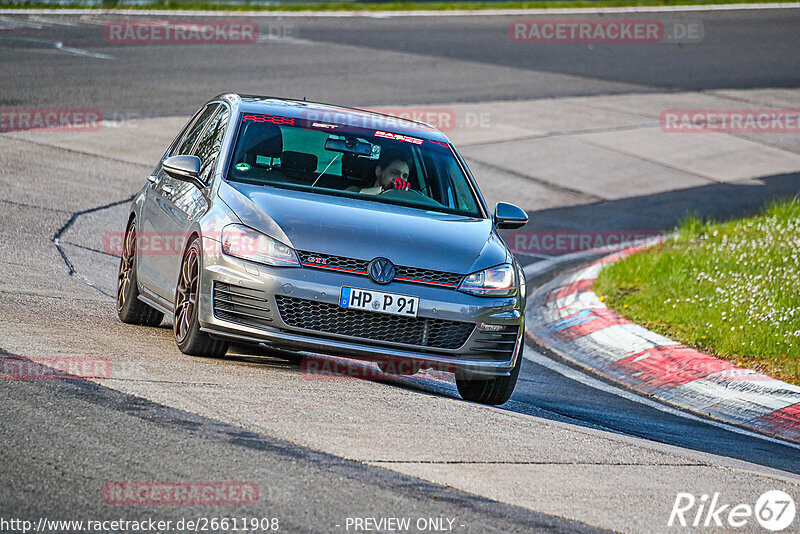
point(420, 13)
point(53, 21)
point(58, 45)
point(266, 38)
point(578, 376)
point(15, 23)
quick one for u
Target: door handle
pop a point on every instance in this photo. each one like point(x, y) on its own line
point(167, 189)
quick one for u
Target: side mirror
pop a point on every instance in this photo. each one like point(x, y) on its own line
point(184, 168)
point(508, 216)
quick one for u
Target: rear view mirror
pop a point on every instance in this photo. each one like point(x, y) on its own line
point(508, 216)
point(184, 168)
point(351, 145)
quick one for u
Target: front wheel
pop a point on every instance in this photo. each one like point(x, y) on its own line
point(188, 337)
point(494, 391)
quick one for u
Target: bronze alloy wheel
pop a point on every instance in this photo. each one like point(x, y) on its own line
point(130, 308)
point(126, 269)
point(186, 326)
point(186, 297)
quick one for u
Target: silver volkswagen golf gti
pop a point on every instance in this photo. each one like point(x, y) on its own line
point(323, 229)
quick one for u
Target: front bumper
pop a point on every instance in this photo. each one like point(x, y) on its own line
point(479, 354)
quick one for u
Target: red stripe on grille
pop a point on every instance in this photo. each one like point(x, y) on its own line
point(425, 282)
point(364, 273)
point(334, 268)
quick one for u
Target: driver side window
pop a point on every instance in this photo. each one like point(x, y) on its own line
point(210, 144)
point(193, 132)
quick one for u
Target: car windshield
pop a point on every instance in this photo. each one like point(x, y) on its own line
point(337, 159)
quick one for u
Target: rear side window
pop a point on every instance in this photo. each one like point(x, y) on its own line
point(193, 132)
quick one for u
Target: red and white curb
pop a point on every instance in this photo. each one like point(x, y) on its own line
point(567, 317)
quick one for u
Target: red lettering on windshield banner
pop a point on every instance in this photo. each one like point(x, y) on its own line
point(269, 118)
point(399, 137)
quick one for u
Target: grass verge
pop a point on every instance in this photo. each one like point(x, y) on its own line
point(730, 289)
point(365, 6)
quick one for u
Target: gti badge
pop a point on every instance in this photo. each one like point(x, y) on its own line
point(381, 270)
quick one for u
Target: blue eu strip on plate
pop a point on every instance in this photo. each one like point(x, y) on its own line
point(344, 301)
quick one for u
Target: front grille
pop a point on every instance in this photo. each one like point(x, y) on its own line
point(414, 275)
point(312, 259)
point(249, 307)
point(359, 267)
point(330, 318)
point(497, 346)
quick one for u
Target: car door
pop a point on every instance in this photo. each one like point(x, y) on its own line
point(188, 201)
point(160, 216)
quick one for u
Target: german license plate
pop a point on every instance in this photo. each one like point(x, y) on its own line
point(378, 301)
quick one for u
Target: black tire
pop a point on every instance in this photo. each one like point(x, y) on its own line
point(185, 327)
point(494, 391)
point(130, 309)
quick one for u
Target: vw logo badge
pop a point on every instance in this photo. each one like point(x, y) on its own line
point(381, 270)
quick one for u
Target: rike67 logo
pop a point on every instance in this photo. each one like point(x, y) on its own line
point(774, 510)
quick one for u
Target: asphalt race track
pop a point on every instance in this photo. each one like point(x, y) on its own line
point(568, 452)
point(372, 61)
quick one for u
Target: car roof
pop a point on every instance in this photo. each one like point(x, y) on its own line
point(327, 113)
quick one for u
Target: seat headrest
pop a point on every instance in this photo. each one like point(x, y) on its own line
point(298, 161)
point(358, 169)
point(262, 139)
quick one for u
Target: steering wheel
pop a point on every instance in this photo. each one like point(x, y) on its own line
point(401, 191)
point(416, 197)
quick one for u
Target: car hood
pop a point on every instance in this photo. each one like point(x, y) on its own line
point(366, 229)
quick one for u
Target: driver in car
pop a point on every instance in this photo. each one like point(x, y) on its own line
point(390, 173)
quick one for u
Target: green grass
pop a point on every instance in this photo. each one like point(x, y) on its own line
point(366, 6)
point(728, 289)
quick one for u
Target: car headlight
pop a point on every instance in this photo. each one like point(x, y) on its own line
point(248, 244)
point(493, 282)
